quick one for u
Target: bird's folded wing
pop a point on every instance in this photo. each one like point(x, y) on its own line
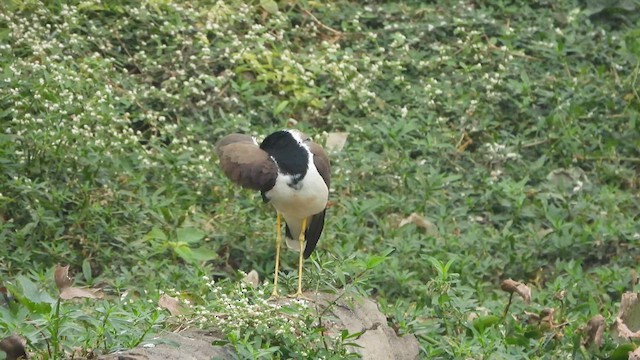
point(321, 161)
point(232, 139)
point(313, 232)
point(245, 163)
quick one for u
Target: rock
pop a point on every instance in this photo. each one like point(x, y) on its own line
point(187, 345)
point(627, 324)
point(378, 341)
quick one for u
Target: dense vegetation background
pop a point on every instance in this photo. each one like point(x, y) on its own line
point(511, 128)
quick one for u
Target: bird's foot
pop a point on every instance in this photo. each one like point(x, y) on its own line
point(299, 295)
point(274, 296)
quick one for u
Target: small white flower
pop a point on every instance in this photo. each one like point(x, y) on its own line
point(403, 112)
point(578, 186)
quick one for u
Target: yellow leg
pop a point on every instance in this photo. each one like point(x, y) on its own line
point(298, 294)
point(278, 243)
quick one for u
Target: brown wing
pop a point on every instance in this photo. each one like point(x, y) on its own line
point(321, 160)
point(244, 163)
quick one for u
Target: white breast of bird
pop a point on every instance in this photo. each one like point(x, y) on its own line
point(297, 204)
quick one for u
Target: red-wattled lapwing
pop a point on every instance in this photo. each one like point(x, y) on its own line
point(293, 174)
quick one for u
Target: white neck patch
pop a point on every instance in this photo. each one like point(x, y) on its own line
point(297, 136)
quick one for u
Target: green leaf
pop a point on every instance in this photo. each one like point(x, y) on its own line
point(484, 322)
point(346, 335)
point(220, 342)
point(184, 251)
point(36, 300)
point(525, 78)
point(4, 34)
point(32, 293)
point(622, 351)
point(86, 270)
point(374, 261)
point(204, 254)
point(280, 107)
point(632, 41)
point(270, 6)
point(189, 234)
point(193, 256)
point(156, 234)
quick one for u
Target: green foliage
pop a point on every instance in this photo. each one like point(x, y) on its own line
point(56, 328)
point(259, 329)
point(184, 236)
point(512, 127)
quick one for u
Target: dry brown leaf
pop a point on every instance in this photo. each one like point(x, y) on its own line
point(509, 285)
point(594, 331)
point(519, 288)
point(64, 282)
point(14, 347)
point(546, 317)
point(524, 291)
point(73, 292)
point(336, 141)
point(5, 298)
point(62, 278)
point(532, 318)
point(170, 303)
point(420, 222)
point(252, 278)
point(622, 331)
point(627, 323)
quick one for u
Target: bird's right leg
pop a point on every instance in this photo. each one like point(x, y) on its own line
point(274, 295)
point(302, 240)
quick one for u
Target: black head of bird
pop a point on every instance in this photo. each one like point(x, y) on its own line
point(292, 173)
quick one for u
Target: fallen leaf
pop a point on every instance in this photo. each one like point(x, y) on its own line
point(5, 297)
point(532, 318)
point(594, 331)
point(252, 278)
point(627, 323)
point(14, 347)
point(622, 331)
point(170, 303)
point(635, 355)
point(519, 288)
point(546, 317)
point(73, 292)
point(336, 141)
point(420, 222)
point(64, 282)
point(62, 278)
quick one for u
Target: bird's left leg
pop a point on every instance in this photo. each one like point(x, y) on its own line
point(274, 295)
point(301, 238)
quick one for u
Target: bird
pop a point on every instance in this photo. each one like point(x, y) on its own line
point(13, 346)
point(293, 174)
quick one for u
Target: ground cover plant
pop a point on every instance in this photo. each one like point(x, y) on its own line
point(510, 129)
